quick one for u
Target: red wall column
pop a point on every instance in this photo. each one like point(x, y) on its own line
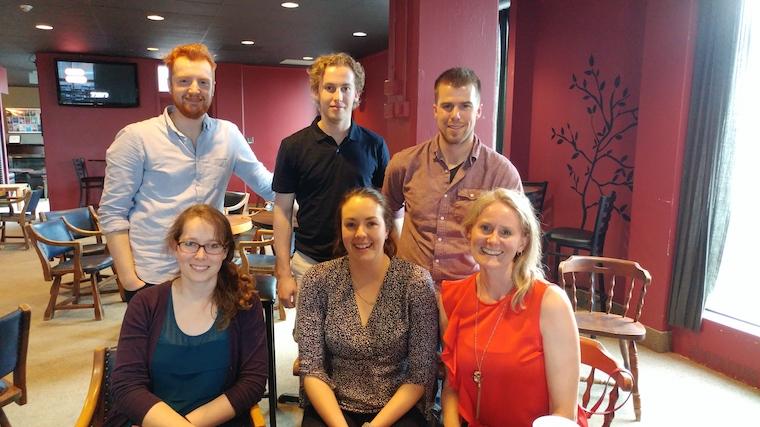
point(432, 36)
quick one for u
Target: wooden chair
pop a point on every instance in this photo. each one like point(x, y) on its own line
point(25, 215)
point(235, 202)
point(52, 239)
point(14, 343)
point(83, 223)
point(535, 191)
point(86, 182)
point(625, 281)
point(597, 358)
point(97, 402)
point(254, 258)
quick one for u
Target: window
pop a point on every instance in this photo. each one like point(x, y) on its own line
point(737, 290)
point(163, 78)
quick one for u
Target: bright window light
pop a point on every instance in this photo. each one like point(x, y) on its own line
point(163, 78)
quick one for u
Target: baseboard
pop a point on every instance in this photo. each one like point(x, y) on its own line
point(659, 341)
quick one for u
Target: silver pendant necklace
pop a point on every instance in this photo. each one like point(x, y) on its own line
point(477, 375)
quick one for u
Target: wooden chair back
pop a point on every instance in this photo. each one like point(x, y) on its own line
point(253, 253)
point(535, 191)
point(236, 202)
point(605, 387)
point(619, 277)
point(14, 344)
point(98, 404)
point(81, 221)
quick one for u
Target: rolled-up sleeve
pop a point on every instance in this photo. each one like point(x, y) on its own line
point(124, 173)
point(423, 328)
point(310, 327)
point(250, 169)
point(393, 185)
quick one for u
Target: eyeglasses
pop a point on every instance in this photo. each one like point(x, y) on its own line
point(212, 248)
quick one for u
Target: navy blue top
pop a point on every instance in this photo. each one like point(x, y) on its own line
point(189, 371)
point(319, 171)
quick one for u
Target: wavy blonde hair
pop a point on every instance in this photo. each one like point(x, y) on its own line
point(317, 72)
point(527, 265)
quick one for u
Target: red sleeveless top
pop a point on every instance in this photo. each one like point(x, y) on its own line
point(514, 391)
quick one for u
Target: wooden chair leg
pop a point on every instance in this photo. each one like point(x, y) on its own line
point(96, 297)
point(634, 355)
point(54, 289)
point(3, 419)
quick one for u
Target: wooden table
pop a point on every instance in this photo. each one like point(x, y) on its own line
point(13, 194)
point(239, 223)
point(263, 219)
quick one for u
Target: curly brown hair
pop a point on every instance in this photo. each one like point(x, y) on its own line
point(234, 289)
point(317, 71)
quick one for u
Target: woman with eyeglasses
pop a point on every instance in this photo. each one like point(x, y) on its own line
point(192, 351)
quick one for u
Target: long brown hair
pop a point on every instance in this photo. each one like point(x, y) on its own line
point(389, 247)
point(234, 289)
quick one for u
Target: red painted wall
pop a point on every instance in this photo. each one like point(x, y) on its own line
point(268, 103)
point(651, 45)
point(557, 43)
point(370, 111)
point(432, 36)
point(84, 131)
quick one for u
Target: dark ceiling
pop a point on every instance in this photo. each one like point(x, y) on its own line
point(120, 28)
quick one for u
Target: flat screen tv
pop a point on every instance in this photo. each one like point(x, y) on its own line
point(97, 84)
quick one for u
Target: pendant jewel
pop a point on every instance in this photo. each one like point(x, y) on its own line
point(476, 377)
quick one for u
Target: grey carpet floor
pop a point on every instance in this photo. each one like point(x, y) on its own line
point(674, 390)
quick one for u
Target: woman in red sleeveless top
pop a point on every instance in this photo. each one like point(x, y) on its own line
point(511, 342)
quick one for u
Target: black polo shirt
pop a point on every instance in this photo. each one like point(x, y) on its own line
point(319, 171)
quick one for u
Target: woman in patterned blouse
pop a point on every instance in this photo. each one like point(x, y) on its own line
point(367, 327)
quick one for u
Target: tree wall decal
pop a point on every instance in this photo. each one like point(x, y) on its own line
point(610, 118)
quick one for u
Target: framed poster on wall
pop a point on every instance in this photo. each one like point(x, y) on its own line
point(23, 120)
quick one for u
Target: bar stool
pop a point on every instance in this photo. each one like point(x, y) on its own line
point(266, 286)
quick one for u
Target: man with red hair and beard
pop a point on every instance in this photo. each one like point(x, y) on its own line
point(157, 168)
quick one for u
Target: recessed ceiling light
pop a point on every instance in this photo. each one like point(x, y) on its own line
point(155, 17)
point(289, 5)
point(360, 34)
point(43, 27)
point(247, 42)
point(153, 49)
point(308, 58)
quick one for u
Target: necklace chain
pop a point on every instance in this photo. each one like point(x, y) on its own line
point(477, 375)
point(371, 304)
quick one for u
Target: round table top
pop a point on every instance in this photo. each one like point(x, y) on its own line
point(263, 219)
point(239, 223)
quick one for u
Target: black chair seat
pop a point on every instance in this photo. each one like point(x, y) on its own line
point(259, 262)
point(266, 286)
point(93, 249)
point(571, 237)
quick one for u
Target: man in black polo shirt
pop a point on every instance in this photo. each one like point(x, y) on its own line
point(317, 165)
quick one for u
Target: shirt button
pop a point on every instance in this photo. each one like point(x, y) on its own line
point(445, 196)
point(472, 195)
point(437, 261)
point(439, 239)
point(442, 218)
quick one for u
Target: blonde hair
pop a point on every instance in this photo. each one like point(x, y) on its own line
point(317, 71)
point(527, 265)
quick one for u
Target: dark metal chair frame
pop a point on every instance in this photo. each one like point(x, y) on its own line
point(86, 182)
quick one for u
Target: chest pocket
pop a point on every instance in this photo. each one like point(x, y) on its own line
point(214, 171)
point(464, 199)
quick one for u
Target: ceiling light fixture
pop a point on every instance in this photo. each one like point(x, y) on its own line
point(153, 49)
point(247, 42)
point(308, 58)
point(43, 27)
point(155, 17)
point(289, 5)
point(360, 34)
point(26, 7)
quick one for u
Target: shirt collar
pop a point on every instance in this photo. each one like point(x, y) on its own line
point(320, 135)
point(474, 151)
point(170, 123)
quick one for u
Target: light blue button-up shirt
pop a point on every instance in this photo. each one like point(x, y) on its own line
point(154, 172)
